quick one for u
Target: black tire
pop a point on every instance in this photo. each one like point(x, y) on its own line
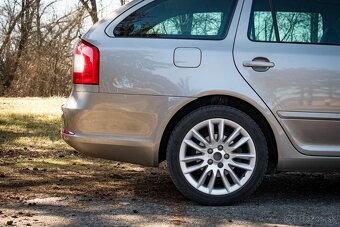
point(202, 114)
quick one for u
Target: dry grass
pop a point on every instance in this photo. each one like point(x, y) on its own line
point(29, 128)
point(31, 123)
point(34, 106)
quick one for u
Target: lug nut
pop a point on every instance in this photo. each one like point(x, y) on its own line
point(220, 147)
point(210, 151)
point(226, 156)
point(220, 165)
point(210, 161)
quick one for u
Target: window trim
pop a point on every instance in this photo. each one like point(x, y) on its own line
point(278, 42)
point(208, 38)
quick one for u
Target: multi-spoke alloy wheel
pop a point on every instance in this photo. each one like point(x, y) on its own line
point(217, 155)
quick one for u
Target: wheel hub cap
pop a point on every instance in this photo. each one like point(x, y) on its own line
point(217, 156)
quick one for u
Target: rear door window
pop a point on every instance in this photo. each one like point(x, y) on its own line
point(298, 21)
point(300, 27)
point(193, 19)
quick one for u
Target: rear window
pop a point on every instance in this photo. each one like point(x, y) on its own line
point(193, 19)
point(298, 21)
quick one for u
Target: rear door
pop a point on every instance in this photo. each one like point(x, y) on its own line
point(288, 51)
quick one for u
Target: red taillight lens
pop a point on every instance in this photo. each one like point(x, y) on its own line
point(86, 64)
point(67, 132)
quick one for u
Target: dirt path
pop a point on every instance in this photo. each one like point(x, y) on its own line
point(135, 196)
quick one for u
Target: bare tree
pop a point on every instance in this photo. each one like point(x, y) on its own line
point(23, 16)
point(91, 8)
point(36, 54)
point(36, 45)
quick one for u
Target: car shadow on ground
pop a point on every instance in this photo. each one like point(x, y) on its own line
point(147, 196)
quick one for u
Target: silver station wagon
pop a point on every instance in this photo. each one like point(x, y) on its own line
point(225, 91)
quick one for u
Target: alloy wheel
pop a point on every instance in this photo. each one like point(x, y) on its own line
point(217, 156)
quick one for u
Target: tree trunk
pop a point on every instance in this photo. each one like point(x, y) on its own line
point(26, 20)
point(91, 8)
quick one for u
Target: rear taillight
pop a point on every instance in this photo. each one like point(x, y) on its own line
point(86, 64)
point(67, 132)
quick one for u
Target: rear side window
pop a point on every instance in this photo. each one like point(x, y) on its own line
point(298, 21)
point(192, 19)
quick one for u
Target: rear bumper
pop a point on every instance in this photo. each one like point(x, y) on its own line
point(113, 148)
point(125, 128)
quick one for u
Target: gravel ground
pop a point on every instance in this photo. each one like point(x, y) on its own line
point(284, 199)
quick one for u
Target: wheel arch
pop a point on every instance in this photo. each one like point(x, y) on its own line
point(237, 103)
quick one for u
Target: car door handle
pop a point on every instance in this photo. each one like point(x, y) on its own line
point(258, 64)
